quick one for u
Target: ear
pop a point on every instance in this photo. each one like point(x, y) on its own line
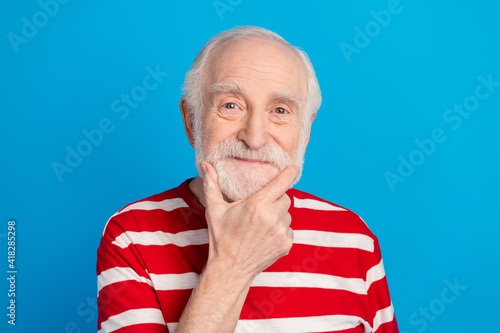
point(187, 118)
point(309, 132)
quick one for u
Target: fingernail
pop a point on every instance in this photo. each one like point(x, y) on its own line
point(203, 170)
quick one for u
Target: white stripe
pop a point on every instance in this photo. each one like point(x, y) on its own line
point(166, 205)
point(118, 274)
point(132, 317)
point(375, 273)
point(297, 324)
point(302, 324)
point(383, 316)
point(309, 280)
point(333, 239)
point(267, 279)
point(174, 281)
point(200, 237)
point(183, 238)
point(315, 204)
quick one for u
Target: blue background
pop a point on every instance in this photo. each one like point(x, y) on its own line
point(437, 227)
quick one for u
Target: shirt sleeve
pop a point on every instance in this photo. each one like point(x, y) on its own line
point(381, 309)
point(127, 301)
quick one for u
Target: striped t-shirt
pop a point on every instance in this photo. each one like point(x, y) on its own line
point(153, 251)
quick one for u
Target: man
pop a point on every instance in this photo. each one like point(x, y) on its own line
point(235, 249)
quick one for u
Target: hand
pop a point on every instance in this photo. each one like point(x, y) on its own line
point(248, 235)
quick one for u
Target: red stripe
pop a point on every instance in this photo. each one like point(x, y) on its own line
point(123, 296)
point(268, 302)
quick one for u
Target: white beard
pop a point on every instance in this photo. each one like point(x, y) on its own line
point(238, 182)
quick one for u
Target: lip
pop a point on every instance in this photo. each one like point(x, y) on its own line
point(253, 162)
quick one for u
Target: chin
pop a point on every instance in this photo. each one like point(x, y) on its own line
point(238, 181)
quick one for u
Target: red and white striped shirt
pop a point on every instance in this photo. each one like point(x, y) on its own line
point(152, 252)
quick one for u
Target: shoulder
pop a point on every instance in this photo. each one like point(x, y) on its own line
point(143, 214)
point(314, 212)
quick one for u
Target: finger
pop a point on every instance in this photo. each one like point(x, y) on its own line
point(279, 185)
point(290, 234)
point(213, 195)
point(288, 220)
point(282, 205)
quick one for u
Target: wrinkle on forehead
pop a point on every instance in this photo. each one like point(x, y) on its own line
point(270, 61)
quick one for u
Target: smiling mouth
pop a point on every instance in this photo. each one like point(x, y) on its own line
point(254, 162)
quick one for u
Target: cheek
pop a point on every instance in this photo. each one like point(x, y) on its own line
point(216, 132)
point(288, 140)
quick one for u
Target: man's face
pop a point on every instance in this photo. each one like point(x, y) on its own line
point(254, 96)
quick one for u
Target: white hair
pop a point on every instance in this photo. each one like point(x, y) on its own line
point(193, 82)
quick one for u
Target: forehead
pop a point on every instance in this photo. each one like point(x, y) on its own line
point(261, 63)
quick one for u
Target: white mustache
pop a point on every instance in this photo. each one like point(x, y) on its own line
point(234, 148)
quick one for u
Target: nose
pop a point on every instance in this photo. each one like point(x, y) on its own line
point(255, 131)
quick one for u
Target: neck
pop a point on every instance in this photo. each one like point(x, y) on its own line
point(196, 187)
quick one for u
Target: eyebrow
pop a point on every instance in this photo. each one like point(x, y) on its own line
point(287, 97)
point(234, 87)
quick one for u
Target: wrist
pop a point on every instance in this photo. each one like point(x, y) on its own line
point(227, 276)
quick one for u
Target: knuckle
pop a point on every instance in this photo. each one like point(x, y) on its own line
point(251, 207)
point(286, 245)
point(285, 202)
point(286, 220)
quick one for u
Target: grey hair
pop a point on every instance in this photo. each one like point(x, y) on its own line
point(193, 81)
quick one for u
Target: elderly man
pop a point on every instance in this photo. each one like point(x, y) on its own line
point(236, 249)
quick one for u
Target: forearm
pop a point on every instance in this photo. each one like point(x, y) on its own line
point(245, 237)
point(216, 302)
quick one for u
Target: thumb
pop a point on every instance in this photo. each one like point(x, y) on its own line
point(213, 195)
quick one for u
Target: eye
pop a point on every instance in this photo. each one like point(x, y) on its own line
point(280, 111)
point(231, 109)
point(230, 106)
point(280, 115)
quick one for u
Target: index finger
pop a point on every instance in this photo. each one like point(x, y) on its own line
point(279, 185)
